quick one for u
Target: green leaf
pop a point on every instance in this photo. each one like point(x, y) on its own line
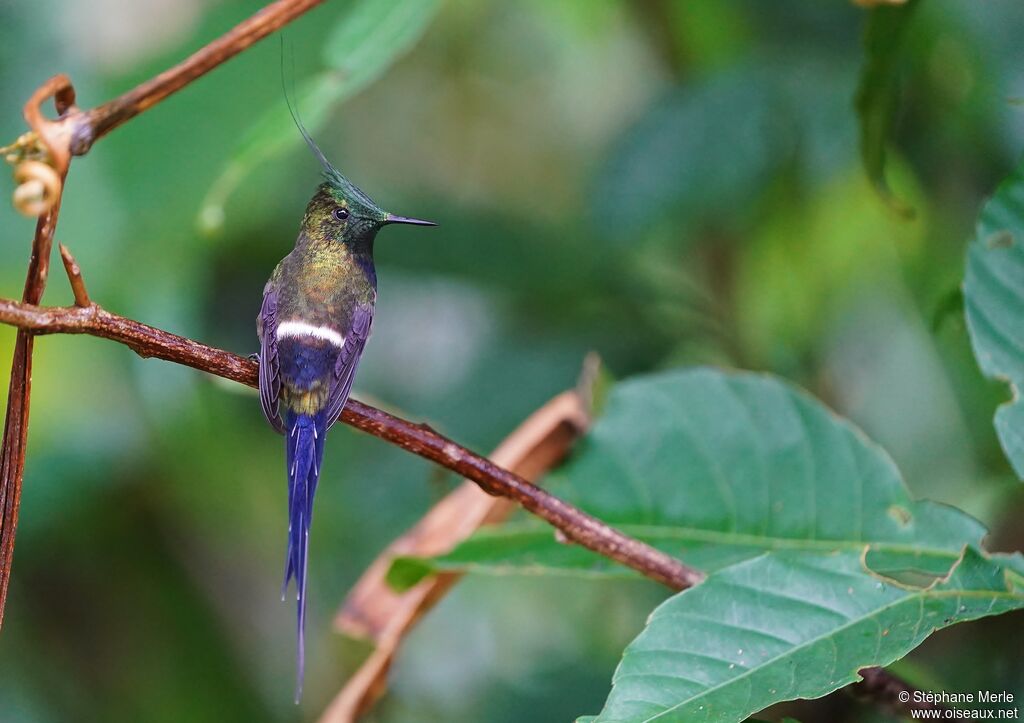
point(994, 302)
point(368, 39)
point(878, 92)
point(523, 549)
point(405, 572)
point(820, 562)
point(717, 468)
point(785, 626)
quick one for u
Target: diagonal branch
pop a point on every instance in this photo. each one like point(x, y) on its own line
point(75, 130)
point(576, 525)
point(91, 125)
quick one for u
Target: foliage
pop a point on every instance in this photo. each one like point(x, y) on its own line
point(994, 302)
point(796, 515)
point(673, 185)
point(879, 91)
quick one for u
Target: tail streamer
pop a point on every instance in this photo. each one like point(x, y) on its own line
point(305, 451)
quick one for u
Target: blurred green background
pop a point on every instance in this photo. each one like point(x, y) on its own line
point(667, 183)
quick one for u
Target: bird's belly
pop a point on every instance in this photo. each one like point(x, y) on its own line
point(307, 370)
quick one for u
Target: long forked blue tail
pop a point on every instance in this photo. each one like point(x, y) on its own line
point(305, 452)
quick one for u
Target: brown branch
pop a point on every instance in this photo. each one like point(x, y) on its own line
point(89, 126)
point(576, 525)
point(12, 455)
point(74, 131)
point(15, 437)
point(74, 277)
point(52, 135)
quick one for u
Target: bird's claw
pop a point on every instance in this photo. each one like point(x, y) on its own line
point(255, 356)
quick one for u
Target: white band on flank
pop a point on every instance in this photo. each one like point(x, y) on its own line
point(301, 328)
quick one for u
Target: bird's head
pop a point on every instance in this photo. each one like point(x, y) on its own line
point(340, 211)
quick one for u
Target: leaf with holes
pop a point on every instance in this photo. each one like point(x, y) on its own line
point(994, 302)
point(789, 625)
point(820, 562)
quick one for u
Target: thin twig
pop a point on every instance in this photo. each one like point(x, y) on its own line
point(575, 524)
point(52, 135)
point(74, 277)
point(91, 125)
point(15, 438)
point(19, 390)
point(75, 130)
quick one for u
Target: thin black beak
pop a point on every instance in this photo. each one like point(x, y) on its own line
point(392, 218)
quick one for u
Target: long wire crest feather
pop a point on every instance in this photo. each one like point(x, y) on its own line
point(333, 175)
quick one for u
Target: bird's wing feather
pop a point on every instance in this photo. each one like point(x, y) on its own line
point(270, 369)
point(348, 360)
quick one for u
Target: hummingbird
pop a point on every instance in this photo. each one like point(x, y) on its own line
point(316, 317)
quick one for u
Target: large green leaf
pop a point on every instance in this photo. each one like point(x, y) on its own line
point(994, 302)
point(820, 562)
point(878, 91)
point(369, 37)
point(787, 625)
point(716, 468)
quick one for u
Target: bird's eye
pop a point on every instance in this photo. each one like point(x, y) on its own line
point(340, 214)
